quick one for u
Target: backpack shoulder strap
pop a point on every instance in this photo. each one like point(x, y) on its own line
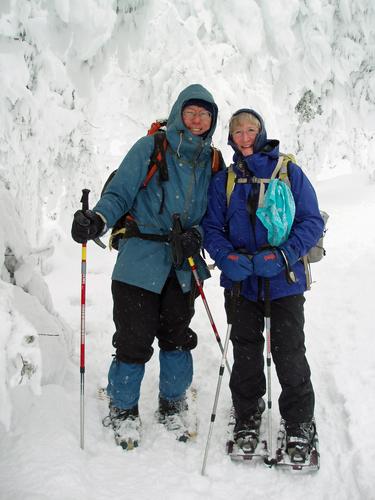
point(279, 166)
point(159, 154)
point(157, 160)
point(231, 180)
point(281, 169)
point(279, 172)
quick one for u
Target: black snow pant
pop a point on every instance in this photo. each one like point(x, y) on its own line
point(140, 316)
point(248, 382)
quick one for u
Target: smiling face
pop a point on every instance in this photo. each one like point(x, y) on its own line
point(244, 129)
point(197, 119)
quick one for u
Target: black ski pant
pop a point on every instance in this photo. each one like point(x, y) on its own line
point(140, 316)
point(248, 382)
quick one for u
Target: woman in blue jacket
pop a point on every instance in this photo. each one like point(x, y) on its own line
point(238, 242)
point(152, 293)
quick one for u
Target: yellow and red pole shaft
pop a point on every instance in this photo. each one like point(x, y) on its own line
point(85, 206)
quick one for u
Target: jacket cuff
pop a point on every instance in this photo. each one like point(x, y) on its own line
point(105, 227)
point(220, 256)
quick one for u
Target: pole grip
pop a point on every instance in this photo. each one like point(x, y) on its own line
point(85, 199)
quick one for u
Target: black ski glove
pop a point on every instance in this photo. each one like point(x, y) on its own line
point(185, 244)
point(87, 225)
point(191, 241)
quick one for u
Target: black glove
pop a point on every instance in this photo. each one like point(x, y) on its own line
point(191, 241)
point(185, 244)
point(87, 225)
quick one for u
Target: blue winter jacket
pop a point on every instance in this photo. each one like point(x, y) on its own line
point(143, 263)
point(229, 228)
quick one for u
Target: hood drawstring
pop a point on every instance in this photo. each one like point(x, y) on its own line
point(179, 145)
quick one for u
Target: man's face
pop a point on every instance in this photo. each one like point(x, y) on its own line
point(198, 120)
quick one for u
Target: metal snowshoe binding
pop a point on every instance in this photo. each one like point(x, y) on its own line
point(298, 446)
point(246, 433)
point(126, 425)
point(299, 440)
point(246, 430)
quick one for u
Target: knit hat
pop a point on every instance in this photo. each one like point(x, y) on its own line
point(199, 102)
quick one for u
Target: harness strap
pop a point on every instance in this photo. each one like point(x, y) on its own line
point(263, 182)
point(130, 229)
point(143, 236)
point(262, 187)
point(280, 172)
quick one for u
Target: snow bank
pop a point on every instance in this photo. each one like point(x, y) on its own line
point(34, 342)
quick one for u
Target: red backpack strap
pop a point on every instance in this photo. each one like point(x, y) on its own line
point(158, 160)
point(157, 125)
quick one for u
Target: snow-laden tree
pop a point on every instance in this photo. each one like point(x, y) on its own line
point(80, 81)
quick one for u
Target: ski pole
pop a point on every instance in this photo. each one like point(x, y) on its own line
point(235, 293)
point(177, 228)
point(193, 268)
point(85, 206)
point(267, 314)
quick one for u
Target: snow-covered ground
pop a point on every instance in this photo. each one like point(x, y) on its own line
point(79, 83)
point(41, 458)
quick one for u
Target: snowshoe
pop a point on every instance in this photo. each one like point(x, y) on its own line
point(244, 437)
point(297, 446)
point(177, 418)
point(126, 425)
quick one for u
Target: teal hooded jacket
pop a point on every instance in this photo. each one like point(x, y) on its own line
point(143, 263)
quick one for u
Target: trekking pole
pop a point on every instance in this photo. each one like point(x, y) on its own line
point(267, 314)
point(193, 268)
point(235, 293)
point(85, 206)
point(177, 228)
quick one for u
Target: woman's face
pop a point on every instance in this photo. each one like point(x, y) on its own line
point(244, 135)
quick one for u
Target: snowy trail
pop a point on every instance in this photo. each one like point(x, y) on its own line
point(80, 82)
point(40, 457)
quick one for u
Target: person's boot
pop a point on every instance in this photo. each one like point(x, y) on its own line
point(299, 440)
point(173, 415)
point(126, 425)
point(246, 429)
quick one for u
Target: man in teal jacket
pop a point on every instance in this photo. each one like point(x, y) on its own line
point(154, 297)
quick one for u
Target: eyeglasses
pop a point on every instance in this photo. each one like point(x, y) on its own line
point(203, 115)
